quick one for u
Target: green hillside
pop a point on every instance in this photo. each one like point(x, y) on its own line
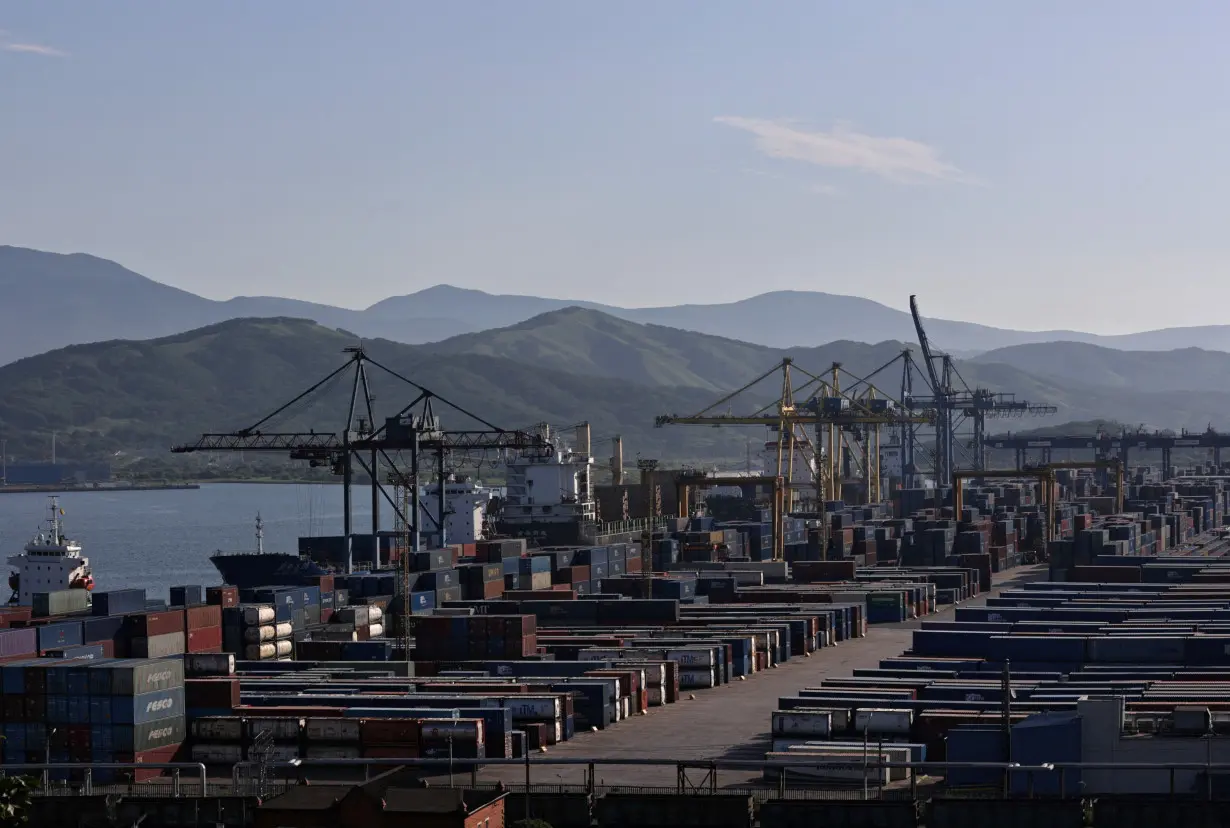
point(139, 398)
point(125, 399)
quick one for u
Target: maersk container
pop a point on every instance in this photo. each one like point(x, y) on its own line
point(118, 602)
point(61, 634)
point(136, 676)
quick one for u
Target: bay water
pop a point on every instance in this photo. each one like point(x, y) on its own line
point(159, 539)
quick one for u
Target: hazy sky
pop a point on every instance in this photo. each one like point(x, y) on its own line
point(1031, 165)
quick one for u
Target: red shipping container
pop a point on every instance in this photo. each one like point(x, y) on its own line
point(209, 615)
point(205, 640)
point(223, 596)
point(632, 565)
point(108, 647)
point(213, 693)
point(492, 590)
point(150, 624)
point(158, 756)
point(326, 614)
point(325, 582)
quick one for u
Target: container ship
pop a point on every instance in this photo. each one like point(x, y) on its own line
point(547, 501)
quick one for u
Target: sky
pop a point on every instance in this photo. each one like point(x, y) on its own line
point(1028, 165)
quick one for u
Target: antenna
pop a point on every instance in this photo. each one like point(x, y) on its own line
point(260, 535)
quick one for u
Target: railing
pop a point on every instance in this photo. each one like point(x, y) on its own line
point(278, 775)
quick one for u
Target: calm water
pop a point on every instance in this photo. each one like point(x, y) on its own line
point(159, 539)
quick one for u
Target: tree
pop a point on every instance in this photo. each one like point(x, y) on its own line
point(15, 800)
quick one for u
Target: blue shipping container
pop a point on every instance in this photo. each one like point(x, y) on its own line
point(147, 707)
point(62, 634)
point(118, 602)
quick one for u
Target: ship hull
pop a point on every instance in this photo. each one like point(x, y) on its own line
point(247, 570)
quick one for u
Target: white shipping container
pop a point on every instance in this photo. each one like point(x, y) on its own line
point(260, 652)
point(810, 723)
point(692, 657)
point(332, 730)
point(283, 630)
point(696, 678)
point(209, 664)
point(375, 631)
point(828, 768)
point(374, 614)
point(217, 754)
point(284, 648)
point(255, 635)
point(884, 720)
point(278, 728)
point(625, 707)
point(535, 708)
point(220, 729)
point(255, 615)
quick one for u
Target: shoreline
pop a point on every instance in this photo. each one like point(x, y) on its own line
point(123, 487)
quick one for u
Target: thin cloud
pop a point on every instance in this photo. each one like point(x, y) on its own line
point(896, 159)
point(33, 49)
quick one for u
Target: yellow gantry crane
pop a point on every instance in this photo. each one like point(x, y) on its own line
point(841, 420)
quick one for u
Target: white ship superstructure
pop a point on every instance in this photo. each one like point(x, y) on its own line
point(50, 562)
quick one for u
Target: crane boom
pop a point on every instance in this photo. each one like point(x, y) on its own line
point(928, 357)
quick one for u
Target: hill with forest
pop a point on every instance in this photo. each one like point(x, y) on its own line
point(125, 399)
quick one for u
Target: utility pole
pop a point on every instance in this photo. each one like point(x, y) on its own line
point(4, 462)
point(53, 448)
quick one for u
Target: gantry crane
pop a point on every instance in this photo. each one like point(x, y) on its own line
point(954, 402)
point(834, 414)
point(414, 429)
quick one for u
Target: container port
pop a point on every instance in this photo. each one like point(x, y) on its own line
point(841, 634)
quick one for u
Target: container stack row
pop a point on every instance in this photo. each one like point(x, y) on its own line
point(94, 710)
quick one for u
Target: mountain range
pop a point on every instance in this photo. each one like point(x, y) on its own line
point(136, 398)
point(53, 300)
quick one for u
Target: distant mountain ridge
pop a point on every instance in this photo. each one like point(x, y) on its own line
point(51, 300)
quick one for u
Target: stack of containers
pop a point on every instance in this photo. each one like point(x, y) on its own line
point(357, 623)
point(222, 596)
point(203, 628)
point(211, 687)
point(155, 634)
point(462, 637)
point(137, 711)
point(85, 710)
point(254, 632)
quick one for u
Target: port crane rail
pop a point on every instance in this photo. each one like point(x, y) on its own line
point(414, 429)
